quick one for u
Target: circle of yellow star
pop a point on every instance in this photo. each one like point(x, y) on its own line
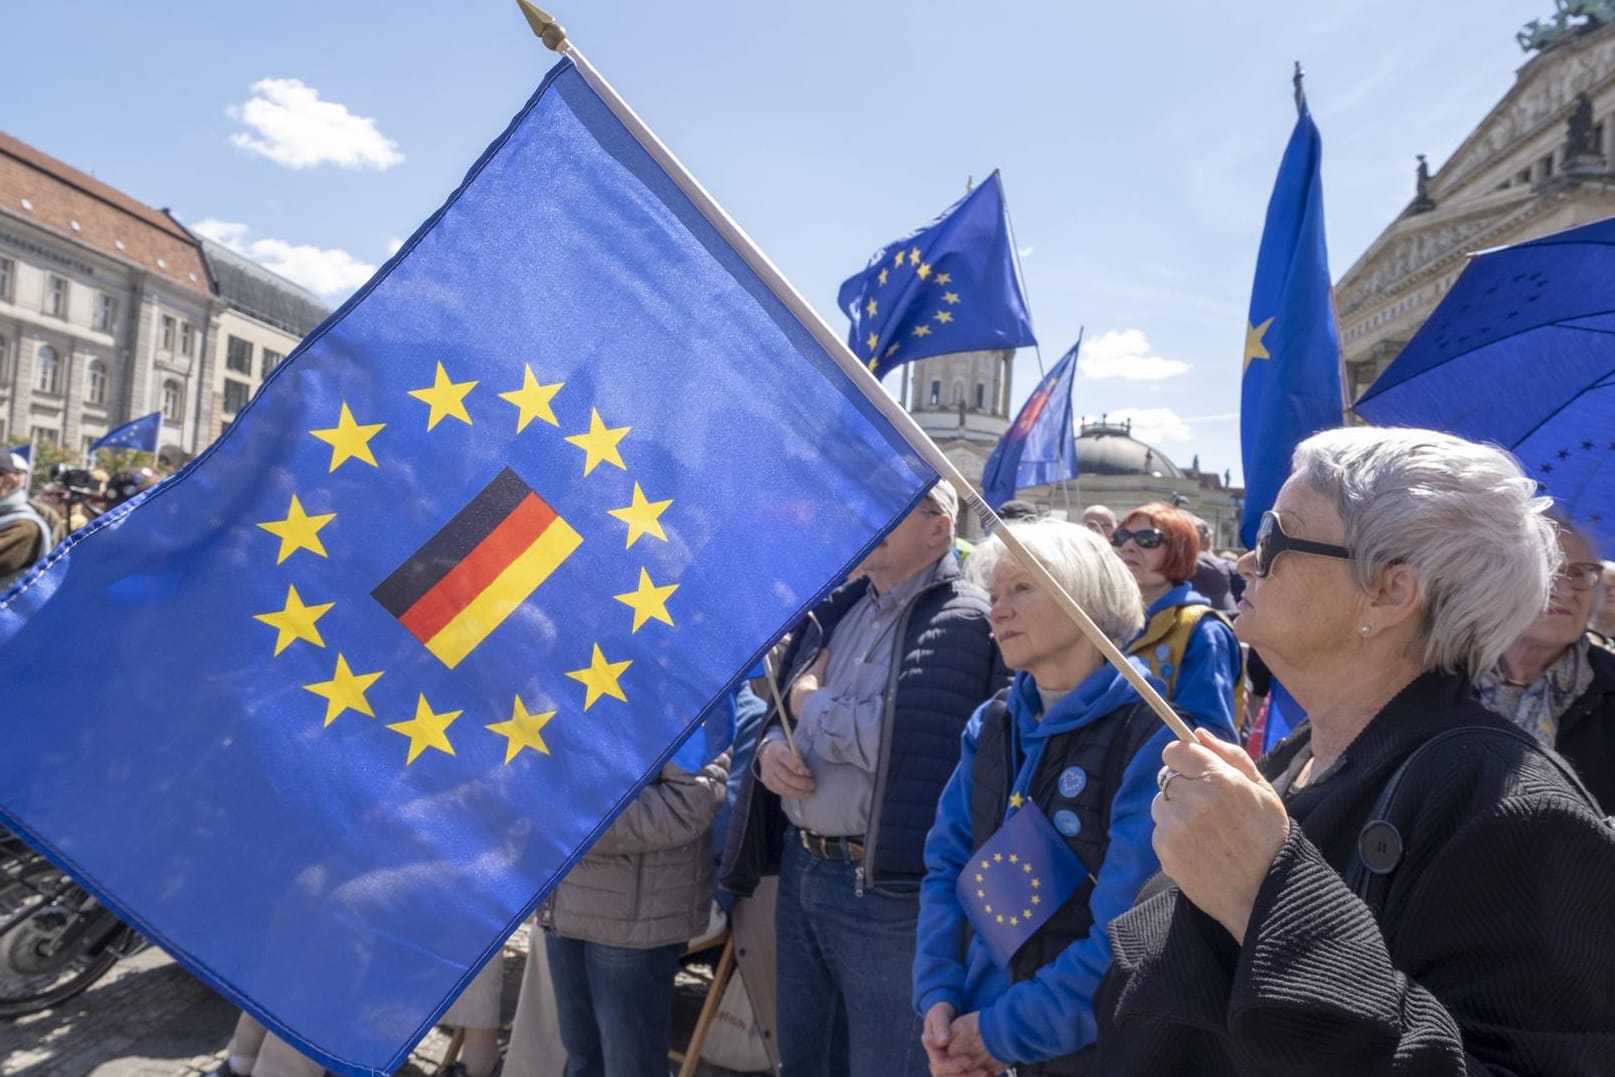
point(1254, 347)
point(944, 278)
point(642, 517)
point(295, 621)
point(522, 731)
point(871, 307)
point(943, 316)
point(532, 400)
point(648, 601)
point(349, 440)
point(445, 398)
point(599, 443)
point(426, 730)
point(345, 691)
point(600, 678)
point(298, 531)
point(922, 330)
point(950, 298)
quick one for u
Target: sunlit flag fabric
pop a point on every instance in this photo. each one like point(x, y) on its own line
point(1291, 382)
point(949, 287)
point(25, 450)
point(1017, 880)
point(138, 433)
point(374, 669)
point(1040, 445)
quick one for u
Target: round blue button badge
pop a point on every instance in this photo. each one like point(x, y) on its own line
point(1067, 823)
point(1072, 781)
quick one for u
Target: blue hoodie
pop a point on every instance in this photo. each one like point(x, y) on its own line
point(1051, 1014)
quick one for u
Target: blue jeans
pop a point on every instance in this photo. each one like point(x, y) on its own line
point(845, 966)
point(614, 1006)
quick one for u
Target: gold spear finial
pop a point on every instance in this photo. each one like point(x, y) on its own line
point(545, 28)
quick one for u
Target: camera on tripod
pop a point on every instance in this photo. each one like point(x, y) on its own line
point(77, 482)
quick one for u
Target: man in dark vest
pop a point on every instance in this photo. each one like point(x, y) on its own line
point(879, 682)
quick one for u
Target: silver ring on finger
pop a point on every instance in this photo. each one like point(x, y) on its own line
point(1164, 781)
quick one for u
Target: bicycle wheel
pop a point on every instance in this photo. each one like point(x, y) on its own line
point(39, 906)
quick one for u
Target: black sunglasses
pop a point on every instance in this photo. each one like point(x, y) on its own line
point(1147, 537)
point(1272, 541)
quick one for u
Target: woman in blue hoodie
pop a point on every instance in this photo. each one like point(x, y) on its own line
point(1066, 757)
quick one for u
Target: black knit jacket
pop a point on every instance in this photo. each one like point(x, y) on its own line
point(1497, 954)
point(1587, 730)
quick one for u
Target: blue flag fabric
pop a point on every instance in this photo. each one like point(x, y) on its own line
point(1291, 382)
point(948, 287)
point(1040, 446)
point(138, 433)
point(25, 450)
point(392, 652)
point(1017, 880)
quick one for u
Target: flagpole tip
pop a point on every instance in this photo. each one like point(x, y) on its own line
point(544, 26)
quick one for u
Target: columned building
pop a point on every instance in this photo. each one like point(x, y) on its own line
point(1538, 163)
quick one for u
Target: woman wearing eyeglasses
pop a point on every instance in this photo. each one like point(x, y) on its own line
point(1557, 681)
point(1467, 932)
point(1189, 646)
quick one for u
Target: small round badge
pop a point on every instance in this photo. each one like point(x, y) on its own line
point(1067, 823)
point(1072, 782)
point(1163, 650)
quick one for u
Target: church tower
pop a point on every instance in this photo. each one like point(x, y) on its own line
point(961, 401)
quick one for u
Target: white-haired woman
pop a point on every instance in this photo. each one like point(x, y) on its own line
point(1460, 926)
point(1071, 744)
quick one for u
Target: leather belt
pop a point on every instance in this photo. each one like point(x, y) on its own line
point(827, 848)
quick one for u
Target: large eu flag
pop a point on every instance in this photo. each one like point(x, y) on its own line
point(1291, 384)
point(374, 669)
point(949, 287)
point(1040, 446)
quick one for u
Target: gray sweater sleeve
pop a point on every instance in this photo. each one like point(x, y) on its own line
point(671, 811)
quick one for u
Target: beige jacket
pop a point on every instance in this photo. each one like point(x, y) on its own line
point(648, 880)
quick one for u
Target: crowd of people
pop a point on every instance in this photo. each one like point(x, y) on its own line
point(1414, 881)
point(32, 526)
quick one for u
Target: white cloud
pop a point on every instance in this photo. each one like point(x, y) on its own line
point(294, 128)
point(1154, 426)
point(394, 245)
point(1026, 252)
point(331, 273)
point(1126, 354)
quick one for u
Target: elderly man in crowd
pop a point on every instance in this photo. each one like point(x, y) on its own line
point(1099, 518)
point(25, 535)
point(880, 680)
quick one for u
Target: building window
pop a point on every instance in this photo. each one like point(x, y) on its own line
point(271, 360)
point(958, 393)
point(8, 274)
point(1544, 168)
point(106, 312)
point(936, 393)
point(187, 339)
point(48, 373)
point(170, 327)
point(42, 435)
point(238, 355)
point(56, 296)
point(981, 395)
point(95, 388)
point(173, 401)
point(236, 395)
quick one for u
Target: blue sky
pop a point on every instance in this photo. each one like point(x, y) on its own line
point(1138, 143)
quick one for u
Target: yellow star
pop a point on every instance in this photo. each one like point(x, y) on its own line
point(599, 443)
point(446, 398)
point(871, 306)
point(944, 278)
point(1254, 348)
point(1026, 914)
point(344, 691)
point(891, 350)
point(600, 678)
point(872, 364)
point(1027, 868)
point(987, 908)
point(924, 271)
point(532, 400)
point(978, 874)
point(1016, 800)
point(1036, 883)
point(873, 340)
point(922, 330)
point(1013, 859)
point(998, 858)
point(900, 256)
point(943, 316)
point(642, 516)
point(984, 864)
point(349, 440)
point(1036, 900)
point(522, 731)
point(648, 601)
point(950, 297)
point(426, 730)
point(981, 893)
point(999, 918)
point(298, 531)
point(295, 621)
point(883, 276)
point(1014, 921)
point(914, 257)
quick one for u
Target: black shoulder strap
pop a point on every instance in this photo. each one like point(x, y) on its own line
point(997, 712)
point(1380, 842)
point(1140, 723)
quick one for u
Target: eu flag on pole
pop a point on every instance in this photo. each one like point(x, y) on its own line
point(392, 652)
point(952, 286)
point(1040, 446)
point(138, 433)
point(1291, 383)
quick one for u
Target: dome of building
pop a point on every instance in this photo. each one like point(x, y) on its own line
point(1110, 449)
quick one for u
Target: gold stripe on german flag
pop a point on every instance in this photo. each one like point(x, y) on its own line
point(472, 574)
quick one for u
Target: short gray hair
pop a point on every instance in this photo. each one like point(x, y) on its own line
point(1081, 562)
point(1462, 515)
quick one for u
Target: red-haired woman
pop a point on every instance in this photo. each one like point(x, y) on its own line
point(1187, 644)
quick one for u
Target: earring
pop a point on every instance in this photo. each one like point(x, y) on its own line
point(1365, 629)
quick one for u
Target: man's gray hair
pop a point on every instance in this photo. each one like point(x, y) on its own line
point(1083, 564)
point(1462, 515)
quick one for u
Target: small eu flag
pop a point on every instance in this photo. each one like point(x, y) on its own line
point(1291, 382)
point(138, 433)
point(505, 530)
point(1017, 880)
point(1039, 446)
point(25, 451)
point(952, 286)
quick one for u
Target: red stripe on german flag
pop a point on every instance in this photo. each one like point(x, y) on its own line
point(475, 572)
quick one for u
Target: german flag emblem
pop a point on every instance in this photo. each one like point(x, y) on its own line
point(472, 574)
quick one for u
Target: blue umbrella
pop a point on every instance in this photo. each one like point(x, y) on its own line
point(1521, 353)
